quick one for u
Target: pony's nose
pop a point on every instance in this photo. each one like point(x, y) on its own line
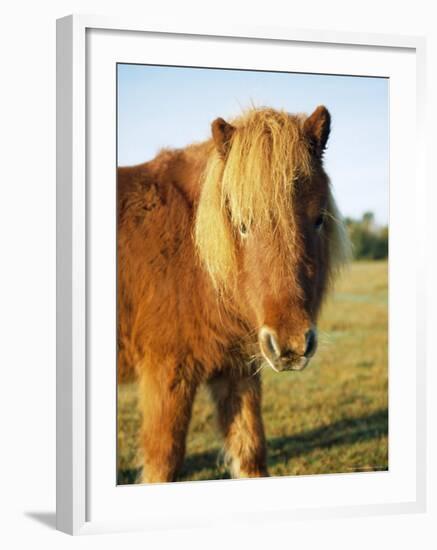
point(306, 349)
point(289, 358)
point(311, 342)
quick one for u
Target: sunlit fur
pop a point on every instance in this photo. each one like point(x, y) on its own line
point(193, 292)
point(255, 186)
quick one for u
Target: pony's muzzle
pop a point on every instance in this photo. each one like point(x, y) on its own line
point(287, 358)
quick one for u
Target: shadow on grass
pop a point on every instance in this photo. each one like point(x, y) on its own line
point(281, 449)
point(343, 432)
point(128, 476)
point(194, 465)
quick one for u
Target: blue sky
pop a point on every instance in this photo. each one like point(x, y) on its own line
point(174, 106)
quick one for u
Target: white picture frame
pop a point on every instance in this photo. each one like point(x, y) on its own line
point(74, 462)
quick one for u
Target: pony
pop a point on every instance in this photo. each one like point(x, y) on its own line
point(226, 250)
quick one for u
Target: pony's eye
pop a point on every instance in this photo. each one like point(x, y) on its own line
point(243, 230)
point(319, 221)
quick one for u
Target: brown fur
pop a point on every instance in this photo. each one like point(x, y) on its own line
point(193, 292)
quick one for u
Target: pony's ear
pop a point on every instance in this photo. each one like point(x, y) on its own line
point(317, 127)
point(222, 133)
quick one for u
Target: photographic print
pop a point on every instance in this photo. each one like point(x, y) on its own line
point(252, 274)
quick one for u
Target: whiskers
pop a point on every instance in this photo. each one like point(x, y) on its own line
point(259, 369)
point(256, 360)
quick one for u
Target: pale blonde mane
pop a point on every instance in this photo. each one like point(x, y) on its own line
point(255, 185)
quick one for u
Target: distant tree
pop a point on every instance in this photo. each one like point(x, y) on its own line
point(369, 241)
point(368, 220)
point(381, 245)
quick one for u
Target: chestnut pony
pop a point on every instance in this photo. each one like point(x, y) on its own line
point(225, 251)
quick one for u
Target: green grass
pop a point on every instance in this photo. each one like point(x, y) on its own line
point(332, 417)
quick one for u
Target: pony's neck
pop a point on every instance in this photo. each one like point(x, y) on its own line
point(183, 168)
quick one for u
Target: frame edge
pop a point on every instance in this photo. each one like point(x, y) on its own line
point(70, 280)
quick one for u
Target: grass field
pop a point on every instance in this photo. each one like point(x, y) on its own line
point(332, 417)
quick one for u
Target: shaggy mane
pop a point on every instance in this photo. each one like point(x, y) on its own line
point(256, 186)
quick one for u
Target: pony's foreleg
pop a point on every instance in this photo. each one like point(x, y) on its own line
point(238, 401)
point(166, 400)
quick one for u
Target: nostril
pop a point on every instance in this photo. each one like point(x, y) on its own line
point(311, 342)
point(269, 342)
